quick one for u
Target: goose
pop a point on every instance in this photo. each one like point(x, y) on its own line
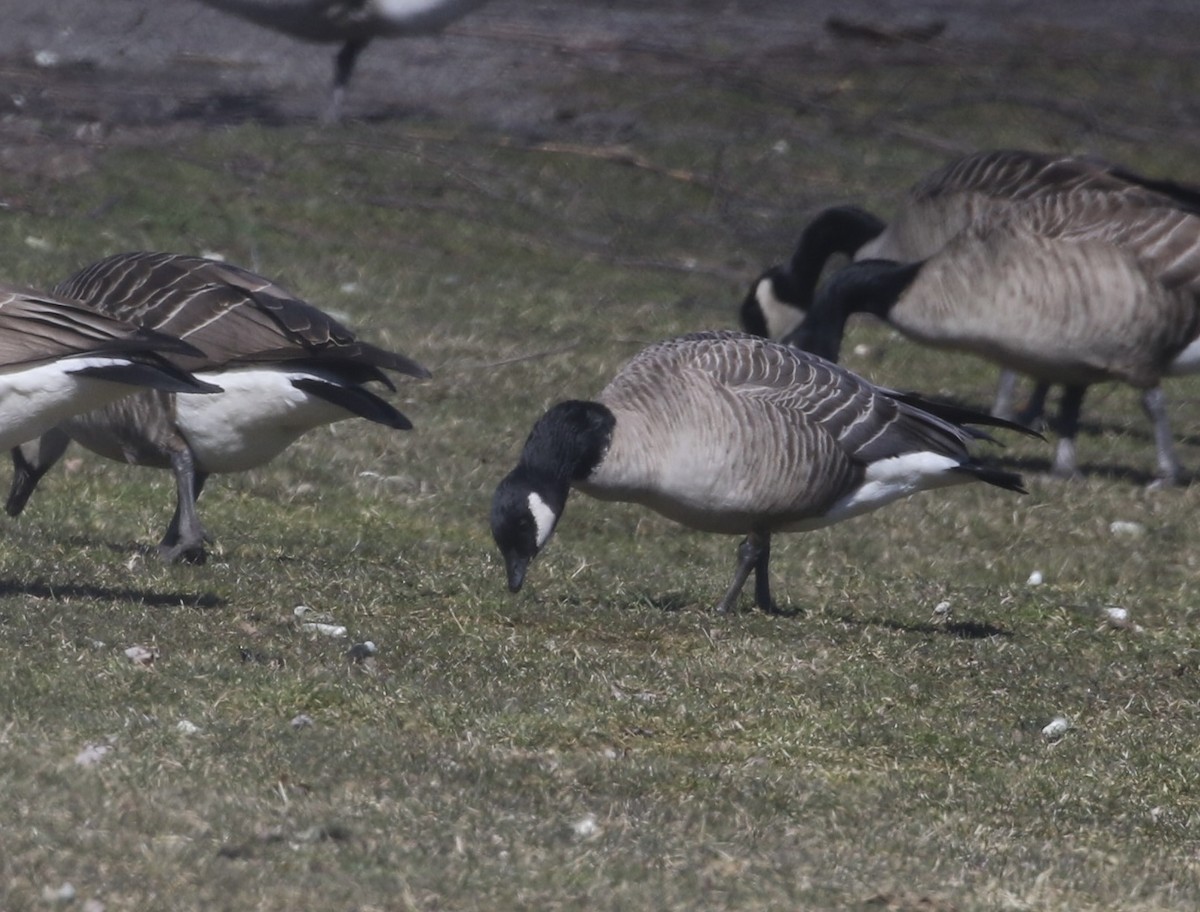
point(285, 368)
point(1071, 289)
point(933, 211)
point(59, 357)
point(731, 433)
point(351, 23)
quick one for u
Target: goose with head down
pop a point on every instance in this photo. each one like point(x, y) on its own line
point(285, 366)
point(730, 433)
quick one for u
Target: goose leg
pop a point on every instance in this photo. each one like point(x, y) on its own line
point(754, 553)
point(185, 536)
point(30, 462)
point(1154, 403)
point(1035, 408)
point(1006, 391)
point(1065, 464)
point(343, 67)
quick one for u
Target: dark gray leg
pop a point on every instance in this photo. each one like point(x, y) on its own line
point(1036, 407)
point(1065, 464)
point(754, 553)
point(185, 537)
point(1154, 403)
point(30, 462)
point(343, 67)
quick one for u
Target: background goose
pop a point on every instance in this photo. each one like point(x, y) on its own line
point(59, 357)
point(285, 367)
point(731, 433)
point(937, 208)
point(351, 23)
point(1071, 288)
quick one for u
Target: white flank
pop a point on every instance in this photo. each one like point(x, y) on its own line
point(35, 399)
point(258, 416)
point(1187, 361)
point(543, 516)
point(896, 477)
point(422, 15)
point(780, 318)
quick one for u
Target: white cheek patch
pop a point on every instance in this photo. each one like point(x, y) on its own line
point(543, 516)
point(780, 318)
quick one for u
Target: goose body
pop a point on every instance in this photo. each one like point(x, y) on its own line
point(285, 368)
point(968, 191)
point(58, 358)
point(734, 434)
point(351, 23)
point(1071, 289)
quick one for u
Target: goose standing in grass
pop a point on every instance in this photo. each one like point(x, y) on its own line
point(940, 206)
point(285, 367)
point(1071, 289)
point(351, 23)
point(59, 357)
point(730, 433)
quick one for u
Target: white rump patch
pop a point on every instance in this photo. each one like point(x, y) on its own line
point(896, 477)
point(543, 516)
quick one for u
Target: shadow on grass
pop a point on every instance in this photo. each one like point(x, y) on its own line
point(204, 600)
point(1121, 473)
point(960, 630)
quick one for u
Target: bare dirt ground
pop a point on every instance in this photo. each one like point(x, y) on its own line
point(70, 67)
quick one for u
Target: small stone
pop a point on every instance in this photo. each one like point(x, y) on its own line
point(1124, 527)
point(62, 894)
point(361, 651)
point(1035, 578)
point(586, 826)
point(184, 727)
point(46, 59)
point(140, 655)
point(1057, 727)
point(92, 754)
point(942, 609)
point(302, 721)
point(330, 630)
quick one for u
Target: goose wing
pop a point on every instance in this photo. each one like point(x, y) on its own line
point(36, 327)
point(231, 314)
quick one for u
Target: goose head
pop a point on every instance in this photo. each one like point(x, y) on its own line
point(566, 444)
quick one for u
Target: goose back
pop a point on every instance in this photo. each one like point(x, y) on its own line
point(726, 432)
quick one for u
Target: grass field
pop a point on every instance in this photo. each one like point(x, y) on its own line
point(602, 740)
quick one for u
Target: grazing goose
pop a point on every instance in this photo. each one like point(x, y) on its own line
point(731, 433)
point(1072, 289)
point(937, 208)
point(58, 357)
point(285, 367)
point(351, 23)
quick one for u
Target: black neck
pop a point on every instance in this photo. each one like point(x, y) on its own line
point(868, 286)
point(568, 442)
point(839, 229)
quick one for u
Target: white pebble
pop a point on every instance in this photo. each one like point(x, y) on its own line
point(331, 630)
point(46, 59)
point(63, 894)
point(942, 609)
point(140, 655)
point(586, 826)
point(1115, 616)
point(350, 287)
point(1057, 728)
point(862, 350)
point(38, 243)
point(302, 721)
point(91, 754)
point(185, 727)
point(1123, 527)
point(1035, 578)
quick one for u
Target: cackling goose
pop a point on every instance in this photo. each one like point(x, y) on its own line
point(351, 23)
point(285, 367)
point(730, 433)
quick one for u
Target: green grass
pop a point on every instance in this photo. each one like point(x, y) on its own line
point(601, 740)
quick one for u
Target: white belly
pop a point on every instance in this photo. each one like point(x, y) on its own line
point(1187, 361)
point(35, 399)
point(258, 416)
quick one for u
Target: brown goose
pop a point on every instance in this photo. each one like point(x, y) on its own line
point(59, 357)
point(730, 433)
point(1073, 288)
point(968, 189)
point(351, 23)
point(285, 368)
